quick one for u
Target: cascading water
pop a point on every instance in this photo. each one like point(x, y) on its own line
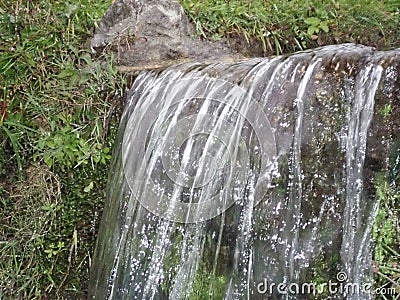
point(246, 180)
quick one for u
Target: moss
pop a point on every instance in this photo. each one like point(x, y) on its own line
point(326, 267)
point(208, 285)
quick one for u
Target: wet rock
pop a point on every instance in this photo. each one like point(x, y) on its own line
point(153, 33)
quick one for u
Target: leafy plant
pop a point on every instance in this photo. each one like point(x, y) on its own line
point(386, 110)
point(315, 25)
point(68, 149)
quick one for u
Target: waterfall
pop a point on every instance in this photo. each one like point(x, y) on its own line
point(246, 180)
point(354, 251)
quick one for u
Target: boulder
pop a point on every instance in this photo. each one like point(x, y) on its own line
point(151, 34)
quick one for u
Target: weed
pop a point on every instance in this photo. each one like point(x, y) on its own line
point(315, 25)
point(386, 110)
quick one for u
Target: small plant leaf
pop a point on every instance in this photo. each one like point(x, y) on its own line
point(312, 30)
point(89, 187)
point(324, 26)
point(312, 21)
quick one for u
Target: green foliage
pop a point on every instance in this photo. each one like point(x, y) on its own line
point(208, 283)
point(11, 132)
point(56, 132)
point(386, 110)
point(68, 149)
point(315, 25)
point(171, 262)
point(326, 267)
point(208, 286)
point(26, 269)
point(54, 250)
point(386, 236)
point(287, 26)
point(49, 226)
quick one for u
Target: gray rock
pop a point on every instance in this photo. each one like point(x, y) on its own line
point(150, 33)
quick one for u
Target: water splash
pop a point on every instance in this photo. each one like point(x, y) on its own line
point(229, 179)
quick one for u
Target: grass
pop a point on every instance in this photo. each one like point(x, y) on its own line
point(288, 26)
point(386, 235)
point(59, 113)
point(56, 131)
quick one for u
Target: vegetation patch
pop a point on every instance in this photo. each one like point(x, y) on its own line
point(386, 234)
point(57, 124)
point(287, 26)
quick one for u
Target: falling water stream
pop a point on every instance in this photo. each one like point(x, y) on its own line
point(231, 179)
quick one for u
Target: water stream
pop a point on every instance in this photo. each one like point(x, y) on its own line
point(247, 180)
